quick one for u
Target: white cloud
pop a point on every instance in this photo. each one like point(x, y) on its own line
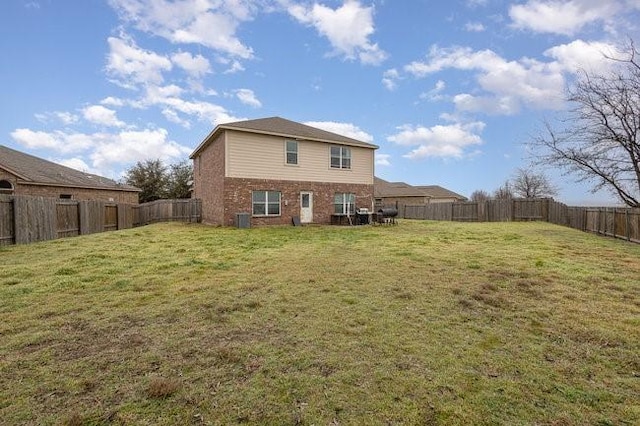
point(434, 94)
point(196, 66)
point(106, 150)
point(112, 101)
point(383, 160)
point(234, 67)
point(209, 23)
point(173, 117)
point(131, 65)
point(58, 141)
point(168, 98)
point(463, 58)
point(390, 78)
point(345, 129)
point(63, 117)
point(582, 55)
point(97, 114)
point(156, 94)
point(128, 147)
point(508, 85)
point(76, 163)
point(498, 105)
point(474, 27)
point(438, 141)
point(347, 28)
point(563, 17)
point(247, 97)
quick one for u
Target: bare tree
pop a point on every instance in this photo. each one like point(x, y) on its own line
point(600, 140)
point(504, 192)
point(480, 195)
point(526, 183)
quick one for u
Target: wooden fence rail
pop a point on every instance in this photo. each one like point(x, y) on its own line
point(614, 222)
point(25, 219)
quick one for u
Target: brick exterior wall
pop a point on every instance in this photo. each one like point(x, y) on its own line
point(209, 182)
point(76, 193)
point(238, 193)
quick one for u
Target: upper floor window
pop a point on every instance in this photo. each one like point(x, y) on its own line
point(340, 157)
point(291, 152)
point(265, 203)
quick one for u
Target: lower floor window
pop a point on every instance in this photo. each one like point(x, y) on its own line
point(266, 203)
point(344, 203)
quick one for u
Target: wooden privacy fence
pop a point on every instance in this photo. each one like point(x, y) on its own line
point(484, 211)
point(25, 219)
point(614, 222)
point(187, 210)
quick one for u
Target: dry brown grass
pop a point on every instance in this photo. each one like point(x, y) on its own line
point(421, 323)
point(161, 387)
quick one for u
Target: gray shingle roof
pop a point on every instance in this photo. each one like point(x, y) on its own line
point(436, 191)
point(35, 170)
point(278, 126)
point(382, 188)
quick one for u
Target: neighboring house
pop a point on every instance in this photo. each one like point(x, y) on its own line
point(401, 194)
point(275, 169)
point(24, 174)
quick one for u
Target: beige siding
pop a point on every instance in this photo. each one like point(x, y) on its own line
point(263, 157)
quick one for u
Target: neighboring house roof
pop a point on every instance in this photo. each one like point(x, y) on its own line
point(435, 191)
point(277, 126)
point(32, 170)
point(383, 189)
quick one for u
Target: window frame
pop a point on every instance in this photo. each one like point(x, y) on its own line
point(346, 202)
point(343, 157)
point(6, 189)
point(287, 152)
point(267, 204)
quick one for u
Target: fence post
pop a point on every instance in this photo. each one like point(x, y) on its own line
point(83, 217)
point(627, 225)
point(545, 210)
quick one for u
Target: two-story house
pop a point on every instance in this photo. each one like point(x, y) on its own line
point(277, 169)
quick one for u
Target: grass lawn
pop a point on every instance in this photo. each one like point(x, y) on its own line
point(420, 323)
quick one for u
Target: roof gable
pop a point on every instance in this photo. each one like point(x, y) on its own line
point(277, 126)
point(35, 170)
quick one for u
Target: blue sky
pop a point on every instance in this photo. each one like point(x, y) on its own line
point(450, 91)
